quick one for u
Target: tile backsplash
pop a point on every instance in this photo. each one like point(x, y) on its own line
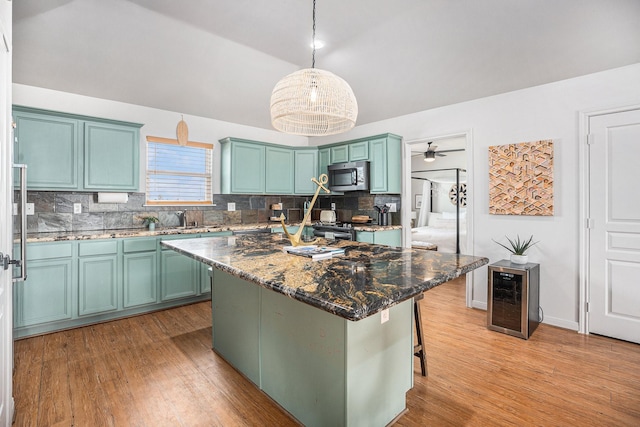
point(53, 211)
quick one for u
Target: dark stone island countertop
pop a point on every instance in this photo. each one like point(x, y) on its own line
point(167, 231)
point(365, 280)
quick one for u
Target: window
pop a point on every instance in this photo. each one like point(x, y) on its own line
point(178, 174)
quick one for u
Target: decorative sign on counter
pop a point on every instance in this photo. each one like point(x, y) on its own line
point(295, 239)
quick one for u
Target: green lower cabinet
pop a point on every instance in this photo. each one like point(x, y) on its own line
point(205, 279)
point(78, 283)
point(382, 237)
point(179, 276)
point(321, 368)
point(140, 286)
point(98, 284)
point(46, 295)
point(140, 272)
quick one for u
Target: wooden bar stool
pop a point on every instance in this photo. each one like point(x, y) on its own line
point(418, 350)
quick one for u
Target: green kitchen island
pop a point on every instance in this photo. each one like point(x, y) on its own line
point(313, 335)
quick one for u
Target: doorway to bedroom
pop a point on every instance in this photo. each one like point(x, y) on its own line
point(438, 195)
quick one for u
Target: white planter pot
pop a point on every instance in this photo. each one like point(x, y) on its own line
point(152, 226)
point(519, 259)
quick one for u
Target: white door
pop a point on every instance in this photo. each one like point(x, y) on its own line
point(614, 237)
point(6, 316)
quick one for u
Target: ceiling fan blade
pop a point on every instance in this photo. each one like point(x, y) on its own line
point(451, 151)
point(439, 154)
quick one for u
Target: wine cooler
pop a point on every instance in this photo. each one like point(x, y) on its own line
point(513, 301)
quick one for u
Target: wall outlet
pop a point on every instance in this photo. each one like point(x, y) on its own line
point(231, 207)
point(333, 206)
point(392, 207)
point(384, 316)
point(30, 210)
point(77, 208)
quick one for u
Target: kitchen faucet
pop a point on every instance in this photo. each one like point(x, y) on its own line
point(182, 217)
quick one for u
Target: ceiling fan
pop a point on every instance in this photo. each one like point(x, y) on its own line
point(431, 153)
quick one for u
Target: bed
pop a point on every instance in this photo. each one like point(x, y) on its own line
point(441, 231)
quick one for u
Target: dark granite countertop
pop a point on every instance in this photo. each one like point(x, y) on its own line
point(365, 280)
point(166, 231)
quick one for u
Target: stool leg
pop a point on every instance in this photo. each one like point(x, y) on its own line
point(418, 350)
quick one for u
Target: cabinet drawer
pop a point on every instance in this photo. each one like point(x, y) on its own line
point(49, 250)
point(139, 245)
point(98, 248)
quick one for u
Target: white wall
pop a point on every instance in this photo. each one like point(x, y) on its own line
point(156, 122)
point(544, 112)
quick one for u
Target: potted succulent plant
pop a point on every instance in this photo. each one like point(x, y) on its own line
point(518, 249)
point(151, 221)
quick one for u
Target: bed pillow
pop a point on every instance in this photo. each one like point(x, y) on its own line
point(433, 218)
point(452, 215)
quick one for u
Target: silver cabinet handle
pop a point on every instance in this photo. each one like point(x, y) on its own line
point(23, 223)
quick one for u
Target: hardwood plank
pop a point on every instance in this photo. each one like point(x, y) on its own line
point(158, 369)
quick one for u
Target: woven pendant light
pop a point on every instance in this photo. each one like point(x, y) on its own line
point(313, 102)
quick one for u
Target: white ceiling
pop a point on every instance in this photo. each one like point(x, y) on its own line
point(221, 58)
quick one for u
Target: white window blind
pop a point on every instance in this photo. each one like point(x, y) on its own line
point(178, 174)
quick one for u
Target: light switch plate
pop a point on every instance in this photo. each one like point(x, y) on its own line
point(333, 206)
point(15, 209)
point(392, 207)
point(30, 210)
point(231, 207)
point(384, 316)
point(77, 208)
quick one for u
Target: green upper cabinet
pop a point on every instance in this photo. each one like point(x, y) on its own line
point(242, 167)
point(340, 154)
point(324, 160)
point(111, 157)
point(279, 178)
point(254, 167)
point(70, 152)
point(306, 167)
point(385, 173)
point(48, 145)
point(359, 151)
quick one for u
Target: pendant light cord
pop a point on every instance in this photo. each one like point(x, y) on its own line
point(313, 55)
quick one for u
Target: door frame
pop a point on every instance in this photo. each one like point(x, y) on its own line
point(406, 190)
point(584, 191)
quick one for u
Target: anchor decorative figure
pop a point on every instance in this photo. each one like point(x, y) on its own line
point(295, 238)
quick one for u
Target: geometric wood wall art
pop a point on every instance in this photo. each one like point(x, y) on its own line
point(521, 178)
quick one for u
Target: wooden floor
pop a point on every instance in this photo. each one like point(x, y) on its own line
point(158, 370)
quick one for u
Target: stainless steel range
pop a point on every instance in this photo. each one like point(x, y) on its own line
point(335, 230)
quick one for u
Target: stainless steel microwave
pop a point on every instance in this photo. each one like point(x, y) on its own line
point(350, 176)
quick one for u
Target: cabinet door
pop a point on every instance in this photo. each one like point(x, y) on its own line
point(48, 145)
point(359, 151)
point(98, 284)
point(364, 236)
point(306, 162)
point(378, 166)
point(46, 295)
point(140, 283)
point(111, 157)
point(279, 170)
point(388, 237)
point(205, 279)
point(179, 276)
point(340, 154)
point(324, 160)
point(247, 168)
